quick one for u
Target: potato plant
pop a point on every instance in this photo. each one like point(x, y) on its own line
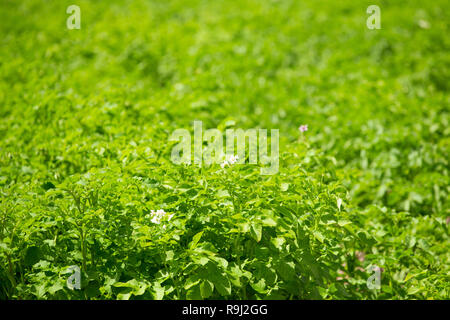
point(87, 180)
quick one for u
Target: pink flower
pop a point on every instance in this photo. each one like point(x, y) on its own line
point(303, 128)
point(361, 256)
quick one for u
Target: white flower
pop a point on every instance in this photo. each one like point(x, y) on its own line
point(156, 220)
point(233, 159)
point(158, 215)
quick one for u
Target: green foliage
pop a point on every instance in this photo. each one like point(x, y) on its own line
point(86, 116)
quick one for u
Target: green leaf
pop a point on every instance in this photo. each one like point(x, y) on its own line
point(269, 222)
point(192, 281)
point(32, 256)
point(194, 293)
point(343, 222)
point(259, 286)
point(124, 296)
point(195, 240)
point(413, 290)
point(319, 236)
point(286, 270)
point(223, 286)
point(221, 283)
point(256, 232)
point(158, 291)
point(206, 289)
